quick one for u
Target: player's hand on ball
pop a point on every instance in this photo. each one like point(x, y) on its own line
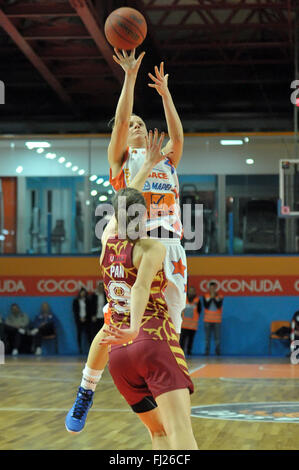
point(160, 80)
point(128, 62)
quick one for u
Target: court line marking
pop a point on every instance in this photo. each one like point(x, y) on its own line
point(265, 368)
point(197, 368)
point(261, 380)
point(97, 410)
point(42, 379)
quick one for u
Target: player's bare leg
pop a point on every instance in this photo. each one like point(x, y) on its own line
point(92, 373)
point(174, 409)
point(98, 353)
point(153, 422)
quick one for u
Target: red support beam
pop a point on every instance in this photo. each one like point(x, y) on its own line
point(88, 16)
point(10, 29)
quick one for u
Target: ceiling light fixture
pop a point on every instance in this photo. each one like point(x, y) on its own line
point(34, 145)
point(231, 142)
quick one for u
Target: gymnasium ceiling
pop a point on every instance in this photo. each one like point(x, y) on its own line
point(230, 64)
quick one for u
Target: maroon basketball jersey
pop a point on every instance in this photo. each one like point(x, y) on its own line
point(119, 275)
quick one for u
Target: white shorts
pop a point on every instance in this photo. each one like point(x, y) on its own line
point(175, 267)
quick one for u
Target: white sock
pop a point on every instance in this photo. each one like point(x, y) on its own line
point(90, 378)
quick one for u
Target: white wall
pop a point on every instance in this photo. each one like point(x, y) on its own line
point(202, 155)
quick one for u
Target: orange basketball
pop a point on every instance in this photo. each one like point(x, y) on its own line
point(125, 28)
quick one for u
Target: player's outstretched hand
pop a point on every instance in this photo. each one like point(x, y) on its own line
point(128, 62)
point(118, 335)
point(160, 80)
point(153, 148)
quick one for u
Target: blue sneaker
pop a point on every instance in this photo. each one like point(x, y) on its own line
point(76, 417)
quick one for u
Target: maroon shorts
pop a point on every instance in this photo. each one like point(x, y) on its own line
point(148, 368)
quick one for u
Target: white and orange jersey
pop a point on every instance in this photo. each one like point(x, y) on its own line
point(161, 190)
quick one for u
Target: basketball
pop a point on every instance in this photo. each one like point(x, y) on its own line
point(125, 28)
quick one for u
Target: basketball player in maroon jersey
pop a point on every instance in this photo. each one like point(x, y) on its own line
point(169, 422)
point(149, 370)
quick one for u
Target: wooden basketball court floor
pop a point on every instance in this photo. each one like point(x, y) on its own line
point(37, 392)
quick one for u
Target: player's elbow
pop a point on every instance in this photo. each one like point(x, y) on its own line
point(141, 291)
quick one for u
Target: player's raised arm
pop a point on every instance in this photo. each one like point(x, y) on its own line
point(174, 125)
point(119, 136)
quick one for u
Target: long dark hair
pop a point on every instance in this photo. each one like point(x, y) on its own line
point(132, 197)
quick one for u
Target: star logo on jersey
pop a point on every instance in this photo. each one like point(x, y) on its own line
point(179, 267)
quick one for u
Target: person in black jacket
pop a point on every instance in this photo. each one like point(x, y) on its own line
point(82, 314)
point(97, 302)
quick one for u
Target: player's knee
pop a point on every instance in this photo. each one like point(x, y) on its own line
point(179, 423)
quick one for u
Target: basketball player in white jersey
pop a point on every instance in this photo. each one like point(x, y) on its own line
point(126, 154)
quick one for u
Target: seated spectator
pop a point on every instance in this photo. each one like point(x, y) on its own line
point(97, 302)
point(82, 315)
point(16, 327)
point(190, 316)
point(44, 325)
point(294, 339)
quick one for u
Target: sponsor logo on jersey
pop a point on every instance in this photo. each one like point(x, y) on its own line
point(158, 175)
point(161, 186)
point(157, 186)
point(119, 291)
point(117, 258)
point(278, 412)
